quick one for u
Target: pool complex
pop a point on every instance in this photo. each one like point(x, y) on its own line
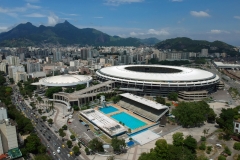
point(108, 109)
point(128, 120)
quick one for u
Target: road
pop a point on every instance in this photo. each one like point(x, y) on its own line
point(48, 138)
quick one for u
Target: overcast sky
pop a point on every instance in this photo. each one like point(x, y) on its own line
point(197, 19)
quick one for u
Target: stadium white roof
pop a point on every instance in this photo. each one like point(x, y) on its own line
point(184, 74)
point(64, 80)
point(144, 101)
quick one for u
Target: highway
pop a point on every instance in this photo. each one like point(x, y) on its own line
point(48, 138)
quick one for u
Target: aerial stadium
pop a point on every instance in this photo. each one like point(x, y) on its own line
point(155, 80)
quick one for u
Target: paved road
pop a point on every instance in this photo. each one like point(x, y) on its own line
point(48, 138)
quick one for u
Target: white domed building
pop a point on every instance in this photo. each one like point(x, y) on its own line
point(66, 80)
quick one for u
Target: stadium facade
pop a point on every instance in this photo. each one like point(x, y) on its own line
point(155, 80)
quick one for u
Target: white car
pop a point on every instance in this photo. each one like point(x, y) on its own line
point(219, 145)
point(54, 153)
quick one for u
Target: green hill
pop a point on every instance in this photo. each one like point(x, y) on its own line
point(189, 45)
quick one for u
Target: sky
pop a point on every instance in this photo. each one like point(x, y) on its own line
point(197, 19)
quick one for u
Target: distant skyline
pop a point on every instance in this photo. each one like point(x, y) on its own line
point(197, 19)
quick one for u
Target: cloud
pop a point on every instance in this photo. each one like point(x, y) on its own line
point(237, 17)
point(52, 19)
point(161, 32)
point(32, 1)
point(156, 32)
point(176, 0)
point(199, 14)
point(217, 31)
point(32, 6)
point(119, 2)
point(36, 15)
point(98, 17)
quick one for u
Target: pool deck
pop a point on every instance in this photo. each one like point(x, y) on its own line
point(120, 109)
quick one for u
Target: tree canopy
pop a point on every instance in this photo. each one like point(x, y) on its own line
point(118, 144)
point(96, 145)
point(191, 114)
point(50, 91)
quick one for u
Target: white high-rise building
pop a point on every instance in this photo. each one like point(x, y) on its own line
point(20, 76)
point(13, 60)
point(12, 70)
point(57, 56)
point(204, 53)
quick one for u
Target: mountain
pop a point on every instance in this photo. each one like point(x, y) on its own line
point(62, 33)
point(149, 41)
point(189, 45)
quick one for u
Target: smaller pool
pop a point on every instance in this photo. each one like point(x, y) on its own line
point(130, 143)
point(108, 109)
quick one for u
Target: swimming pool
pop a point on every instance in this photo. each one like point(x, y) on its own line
point(108, 109)
point(128, 120)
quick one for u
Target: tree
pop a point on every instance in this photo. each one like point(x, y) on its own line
point(190, 143)
point(211, 116)
point(173, 96)
point(87, 151)
point(202, 157)
point(221, 157)
point(236, 146)
point(160, 100)
point(118, 144)
point(50, 91)
point(75, 107)
point(161, 149)
point(72, 137)
point(178, 139)
point(76, 150)
point(41, 157)
point(64, 127)
point(31, 143)
point(69, 144)
point(50, 121)
point(44, 118)
point(80, 87)
point(191, 114)
point(96, 145)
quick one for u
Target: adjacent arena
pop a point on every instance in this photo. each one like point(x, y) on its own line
point(158, 79)
point(64, 80)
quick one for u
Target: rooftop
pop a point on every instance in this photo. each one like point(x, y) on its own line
point(144, 101)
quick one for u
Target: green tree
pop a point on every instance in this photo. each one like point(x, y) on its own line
point(69, 144)
point(87, 151)
point(190, 143)
point(75, 107)
point(178, 139)
point(202, 157)
point(72, 137)
point(205, 131)
point(42, 157)
point(160, 100)
point(96, 145)
point(236, 146)
point(50, 121)
point(50, 91)
point(161, 149)
point(44, 118)
point(118, 144)
point(64, 127)
point(31, 143)
point(173, 96)
point(76, 150)
point(221, 157)
point(80, 87)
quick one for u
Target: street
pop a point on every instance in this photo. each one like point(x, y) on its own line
point(48, 138)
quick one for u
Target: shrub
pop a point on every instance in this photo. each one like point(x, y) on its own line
point(227, 150)
point(203, 138)
point(236, 146)
point(87, 151)
point(202, 146)
point(209, 148)
point(221, 157)
point(208, 152)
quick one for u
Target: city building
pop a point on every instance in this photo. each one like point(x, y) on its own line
point(20, 76)
point(57, 56)
point(13, 60)
point(12, 70)
point(33, 67)
point(204, 53)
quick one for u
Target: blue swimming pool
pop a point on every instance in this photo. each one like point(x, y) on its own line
point(130, 143)
point(128, 120)
point(108, 109)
